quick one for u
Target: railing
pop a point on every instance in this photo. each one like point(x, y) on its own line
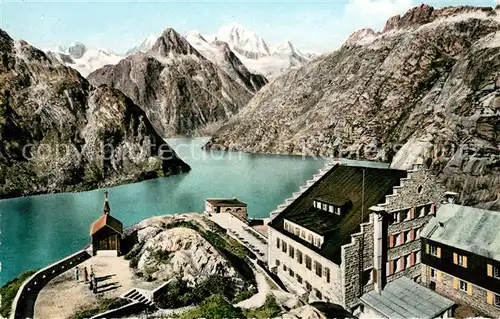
point(23, 305)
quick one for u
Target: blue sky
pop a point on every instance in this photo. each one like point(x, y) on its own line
point(319, 26)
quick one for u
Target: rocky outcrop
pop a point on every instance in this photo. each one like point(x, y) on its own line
point(165, 250)
point(424, 89)
point(180, 90)
point(58, 133)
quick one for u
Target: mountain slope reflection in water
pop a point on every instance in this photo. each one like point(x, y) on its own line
point(38, 230)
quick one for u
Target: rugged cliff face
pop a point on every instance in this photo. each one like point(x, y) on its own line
point(219, 53)
point(58, 133)
point(426, 88)
point(180, 90)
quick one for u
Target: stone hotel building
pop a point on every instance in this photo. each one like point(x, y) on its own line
point(353, 229)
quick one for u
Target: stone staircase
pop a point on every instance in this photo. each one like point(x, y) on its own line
point(139, 295)
point(302, 189)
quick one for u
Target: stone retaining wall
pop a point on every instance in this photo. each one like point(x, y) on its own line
point(129, 309)
point(23, 305)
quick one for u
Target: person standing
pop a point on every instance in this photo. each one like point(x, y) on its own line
point(94, 290)
point(91, 287)
point(85, 274)
point(76, 274)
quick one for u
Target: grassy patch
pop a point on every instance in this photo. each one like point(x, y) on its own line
point(215, 306)
point(243, 295)
point(9, 291)
point(270, 309)
point(177, 294)
point(104, 305)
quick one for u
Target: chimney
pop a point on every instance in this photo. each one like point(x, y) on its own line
point(450, 197)
point(379, 238)
point(106, 209)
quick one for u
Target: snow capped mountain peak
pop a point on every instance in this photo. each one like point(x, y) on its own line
point(243, 41)
point(284, 47)
point(84, 59)
point(144, 46)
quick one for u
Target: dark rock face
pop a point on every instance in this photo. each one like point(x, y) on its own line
point(181, 92)
point(424, 90)
point(58, 133)
point(230, 63)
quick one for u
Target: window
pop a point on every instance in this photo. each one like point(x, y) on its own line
point(287, 227)
point(308, 262)
point(434, 251)
point(283, 247)
point(496, 272)
point(422, 212)
point(310, 238)
point(299, 279)
point(277, 262)
point(308, 286)
point(403, 216)
point(493, 271)
point(299, 256)
point(291, 252)
point(318, 268)
point(463, 285)
point(408, 260)
point(317, 242)
point(318, 294)
point(417, 233)
point(327, 274)
point(408, 236)
point(284, 267)
point(296, 231)
point(290, 271)
point(325, 207)
point(399, 239)
point(400, 264)
point(433, 274)
point(339, 211)
point(460, 260)
point(302, 234)
point(331, 208)
point(417, 257)
point(277, 243)
point(497, 300)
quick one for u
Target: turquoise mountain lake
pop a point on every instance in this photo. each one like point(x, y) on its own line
point(39, 230)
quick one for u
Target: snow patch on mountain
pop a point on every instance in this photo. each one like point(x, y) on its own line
point(252, 50)
point(83, 59)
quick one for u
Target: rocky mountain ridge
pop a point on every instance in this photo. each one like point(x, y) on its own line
point(59, 133)
point(180, 90)
point(424, 89)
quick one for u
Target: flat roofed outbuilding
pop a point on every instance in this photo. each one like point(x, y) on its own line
point(404, 298)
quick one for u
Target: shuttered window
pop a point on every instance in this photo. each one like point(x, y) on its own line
point(308, 262)
point(460, 260)
point(299, 256)
point(493, 271)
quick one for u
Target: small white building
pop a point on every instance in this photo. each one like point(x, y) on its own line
point(227, 205)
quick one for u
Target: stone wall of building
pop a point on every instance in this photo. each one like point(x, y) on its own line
point(331, 291)
point(357, 265)
point(420, 187)
point(444, 286)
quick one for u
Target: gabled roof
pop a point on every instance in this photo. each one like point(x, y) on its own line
point(109, 221)
point(346, 182)
point(403, 298)
point(468, 228)
point(226, 202)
